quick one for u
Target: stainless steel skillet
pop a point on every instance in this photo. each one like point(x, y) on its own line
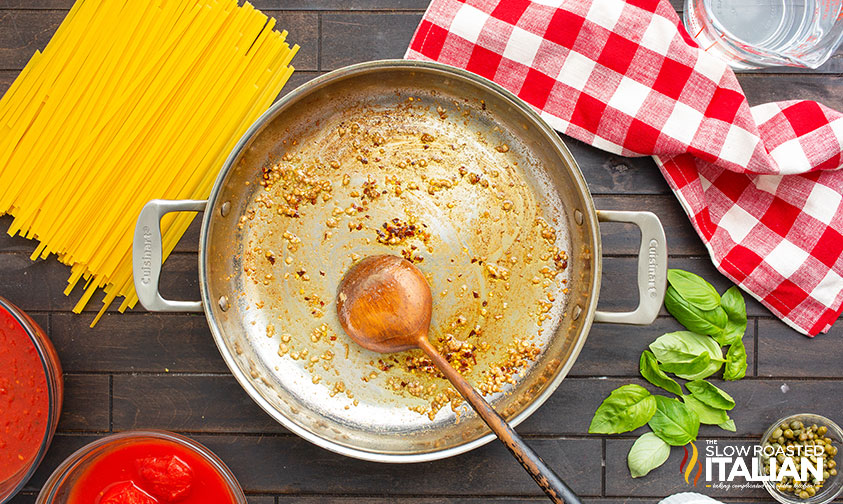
point(472, 124)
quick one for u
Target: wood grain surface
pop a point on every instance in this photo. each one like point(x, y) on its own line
point(143, 370)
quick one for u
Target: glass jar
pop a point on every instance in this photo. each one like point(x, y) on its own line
point(762, 33)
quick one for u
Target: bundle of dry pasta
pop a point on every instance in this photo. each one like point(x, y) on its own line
point(131, 100)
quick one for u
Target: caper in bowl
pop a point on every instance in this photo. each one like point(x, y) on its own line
point(797, 440)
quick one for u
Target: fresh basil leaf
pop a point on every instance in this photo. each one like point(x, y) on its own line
point(735, 308)
point(694, 319)
point(707, 414)
point(729, 425)
point(692, 368)
point(694, 289)
point(710, 394)
point(684, 347)
point(648, 452)
point(627, 408)
point(649, 368)
point(674, 422)
point(735, 361)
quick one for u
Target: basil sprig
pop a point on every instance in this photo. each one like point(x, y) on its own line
point(706, 414)
point(649, 368)
point(701, 321)
point(710, 395)
point(674, 422)
point(712, 321)
point(693, 288)
point(626, 409)
point(648, 452)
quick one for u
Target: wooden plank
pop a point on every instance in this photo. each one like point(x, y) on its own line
point(296, 466)
point(63, 446)
point(86, 404)
point(816, 357)
point(624, 239)
point(759, 403)
point(215, 404)
point(354, 37)
point(188, 403)
point(767, 88)
point(621, 345)
point(6, 79)
point(39, 285)
point(621, 271)
point(24, 32)
point(24, 498)
point(609, 174)
point(289, 465)
point(136, 342)
point(303, 28)
point(260, 499)
point(298, 499)
point(260, 4)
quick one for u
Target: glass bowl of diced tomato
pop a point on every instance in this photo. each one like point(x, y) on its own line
point(142, 467)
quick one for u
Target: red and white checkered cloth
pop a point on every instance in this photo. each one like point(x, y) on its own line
point(759, 184)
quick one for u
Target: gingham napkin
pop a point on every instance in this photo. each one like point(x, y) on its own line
point(759, 184)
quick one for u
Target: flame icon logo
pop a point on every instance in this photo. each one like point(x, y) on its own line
point(686, 470)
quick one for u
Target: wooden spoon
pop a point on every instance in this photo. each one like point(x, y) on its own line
point(384, 304)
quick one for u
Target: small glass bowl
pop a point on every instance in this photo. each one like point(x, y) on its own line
point(834, 486)
point(57, 488)
point(55, 393)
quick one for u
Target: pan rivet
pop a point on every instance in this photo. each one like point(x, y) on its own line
point(223, 303)
point(578, 217)
point(225, 208)
point(577, 312)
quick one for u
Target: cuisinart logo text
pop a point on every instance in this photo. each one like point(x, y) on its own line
point(726, 463)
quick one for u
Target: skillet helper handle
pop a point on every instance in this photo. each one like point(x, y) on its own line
point(544, 476)
point(652, 268)
point(147, 255)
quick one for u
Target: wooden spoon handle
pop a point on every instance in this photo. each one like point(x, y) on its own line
point(546, 478)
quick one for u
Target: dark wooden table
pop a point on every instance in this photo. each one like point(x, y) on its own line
point(142, 370)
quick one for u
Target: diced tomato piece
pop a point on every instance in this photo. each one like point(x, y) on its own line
point(126, 492)
point(168, 478)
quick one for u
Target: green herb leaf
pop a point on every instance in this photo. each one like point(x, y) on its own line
point(694, 289)
point(694, 319)
point(649, 367)
point(710, 394)
point(728, 426)
point(648, 452)
point(674, 422)
point(697, 366)
point(682, 347)
point(707, 414)
point(735, 361)
point(735, 308)
point(627, 408)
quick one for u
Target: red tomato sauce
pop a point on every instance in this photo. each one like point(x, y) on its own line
point(24, 399)
point(150, 471)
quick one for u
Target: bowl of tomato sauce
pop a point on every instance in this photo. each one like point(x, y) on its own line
point(31, 391)
point(142, 467)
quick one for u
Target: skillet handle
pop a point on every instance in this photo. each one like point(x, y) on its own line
point(652, 268)
point(147, 255)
